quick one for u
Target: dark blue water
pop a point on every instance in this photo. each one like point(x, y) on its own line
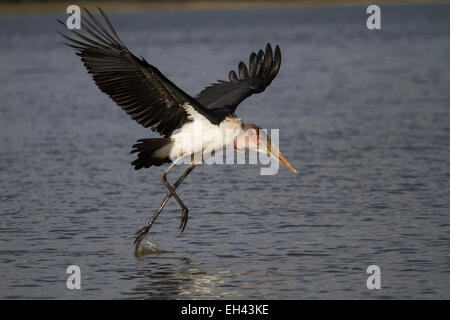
point(364, 116)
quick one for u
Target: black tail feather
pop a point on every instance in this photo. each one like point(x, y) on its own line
point(146, 149)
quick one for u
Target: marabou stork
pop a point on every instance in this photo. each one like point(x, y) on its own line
point(154, 101)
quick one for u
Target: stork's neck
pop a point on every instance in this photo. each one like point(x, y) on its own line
point(231, 127)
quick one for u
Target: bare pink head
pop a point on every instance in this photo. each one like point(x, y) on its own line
point(253, 137)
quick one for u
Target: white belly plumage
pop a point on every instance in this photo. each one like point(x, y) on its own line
point(200, 137)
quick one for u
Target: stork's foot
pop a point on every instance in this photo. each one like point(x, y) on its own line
point(184, 219)
point(141, 233)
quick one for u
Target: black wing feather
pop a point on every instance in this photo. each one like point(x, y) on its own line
point(262, 69)
point(135, 85)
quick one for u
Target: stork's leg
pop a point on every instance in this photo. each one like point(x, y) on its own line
point(185, 211)
point(141, 233)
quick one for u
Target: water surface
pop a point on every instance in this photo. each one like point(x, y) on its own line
point(363, 116)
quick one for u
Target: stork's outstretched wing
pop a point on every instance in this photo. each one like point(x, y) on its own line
point(138, 87)
point(263, 68)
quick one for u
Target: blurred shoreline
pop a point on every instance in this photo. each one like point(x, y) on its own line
point(31, 6)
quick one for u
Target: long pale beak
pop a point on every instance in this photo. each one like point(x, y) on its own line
point(268, 147)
